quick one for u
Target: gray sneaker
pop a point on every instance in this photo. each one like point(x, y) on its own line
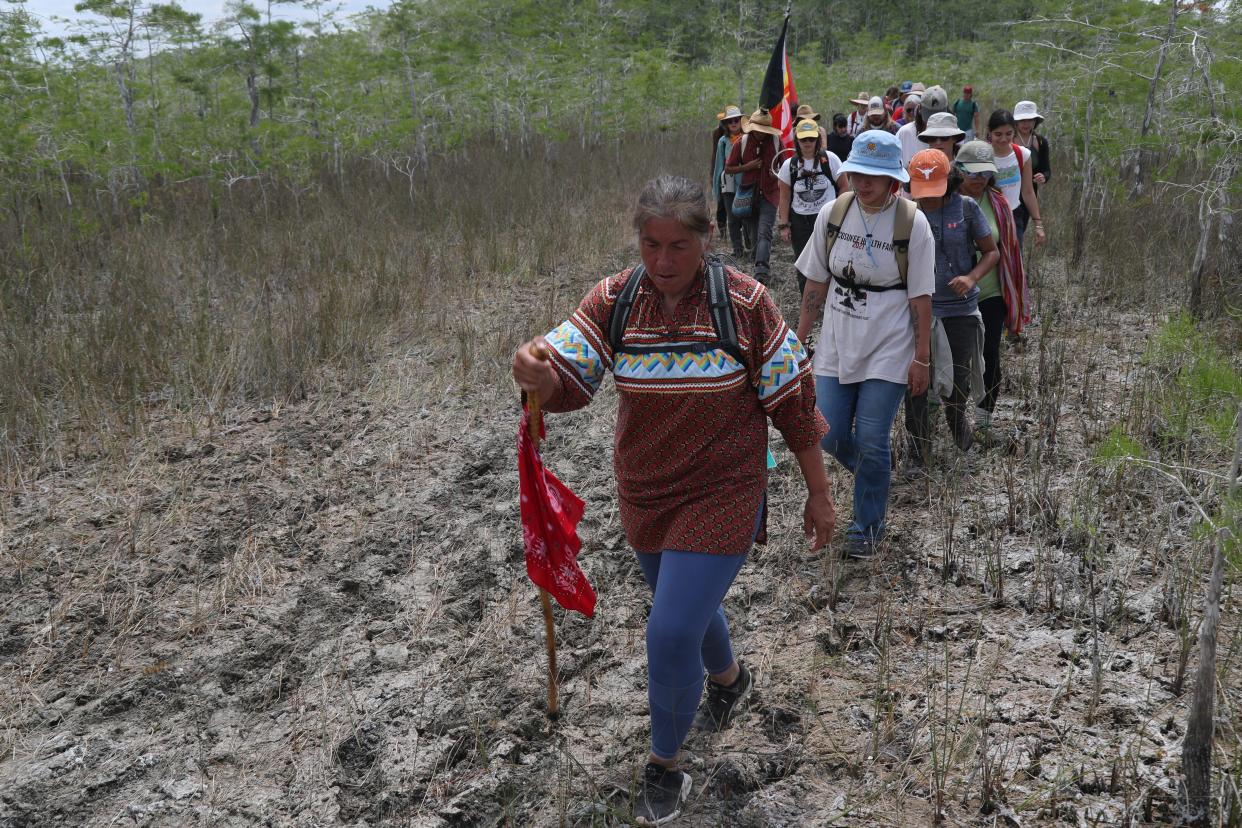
point(724, 703)
point(661, 795)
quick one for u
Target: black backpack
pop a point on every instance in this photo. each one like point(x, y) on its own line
point(721, 310)
point(796, 173)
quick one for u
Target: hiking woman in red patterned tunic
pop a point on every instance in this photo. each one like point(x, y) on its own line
point(696, 390)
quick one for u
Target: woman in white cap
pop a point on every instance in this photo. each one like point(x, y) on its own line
point(965, 253)
point(724, 185)
point(943, 133)
point(1027, 118)
point(806, 185)
point(1013, 172)
point(1003, 299)
point(870, 270)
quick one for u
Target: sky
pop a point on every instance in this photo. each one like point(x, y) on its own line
point(211, 10)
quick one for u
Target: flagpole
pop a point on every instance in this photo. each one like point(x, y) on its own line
point(549, 630)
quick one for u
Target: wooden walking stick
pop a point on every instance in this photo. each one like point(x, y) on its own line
point(549, 630)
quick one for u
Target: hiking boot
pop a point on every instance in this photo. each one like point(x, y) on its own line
point(661, 795)
point(859, 549)
point(965, 438)
point(723, 703)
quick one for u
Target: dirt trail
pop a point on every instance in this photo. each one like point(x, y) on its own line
point(319, 615)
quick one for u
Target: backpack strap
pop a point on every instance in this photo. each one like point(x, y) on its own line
point(620, 316)
point(722, 309)
point(720, 306)
point(903, 226)
point(795, 172)
point(826, 169)
point(836, 216)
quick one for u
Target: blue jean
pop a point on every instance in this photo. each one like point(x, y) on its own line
point(860, 421)
point(764, 220)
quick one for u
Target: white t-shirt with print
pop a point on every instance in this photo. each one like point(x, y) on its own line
point(1009, 175)
point(908, 135)
point(868, 334)
point(813, 189)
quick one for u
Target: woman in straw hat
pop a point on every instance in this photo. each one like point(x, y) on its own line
point(807, 184)
point(874, 340)
point(692, 426)
point(806, 112)
point(724, 185)
point(1003, 299)
point(854, 123)
point(961, 232)
point(752, 157)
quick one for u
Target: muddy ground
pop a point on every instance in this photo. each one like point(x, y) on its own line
point(317, 614)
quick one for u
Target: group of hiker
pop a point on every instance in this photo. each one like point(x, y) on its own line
point(907, 236)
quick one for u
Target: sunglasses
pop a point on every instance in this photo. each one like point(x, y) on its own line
point(807, 140)
point(967, 174)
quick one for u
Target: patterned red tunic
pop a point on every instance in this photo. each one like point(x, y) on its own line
point(691, 434)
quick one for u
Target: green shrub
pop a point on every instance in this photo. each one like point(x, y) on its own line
point(1204, 387)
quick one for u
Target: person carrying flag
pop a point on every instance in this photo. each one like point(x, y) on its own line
point(694, 403)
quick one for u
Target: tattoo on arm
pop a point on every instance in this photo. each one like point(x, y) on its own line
point(813, 297)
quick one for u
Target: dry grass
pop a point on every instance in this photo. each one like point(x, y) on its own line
point(282, 582)
point(248, 296)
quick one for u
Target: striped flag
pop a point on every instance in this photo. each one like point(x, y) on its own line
point(778, 95)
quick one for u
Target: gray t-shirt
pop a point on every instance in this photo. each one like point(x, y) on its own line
point(955, 227)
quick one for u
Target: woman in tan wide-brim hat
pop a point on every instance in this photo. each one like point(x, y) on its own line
point(752, 157)
point(854, 123)
point(806, 113)
point(760, 121)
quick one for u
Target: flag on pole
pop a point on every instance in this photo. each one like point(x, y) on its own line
point(550, 515)
point(778, 95)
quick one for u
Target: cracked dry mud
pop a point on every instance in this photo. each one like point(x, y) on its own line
point(318, 614)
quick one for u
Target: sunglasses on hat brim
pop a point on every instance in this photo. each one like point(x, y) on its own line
point(968, 174)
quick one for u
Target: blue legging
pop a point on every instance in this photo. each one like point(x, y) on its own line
point(687, 634)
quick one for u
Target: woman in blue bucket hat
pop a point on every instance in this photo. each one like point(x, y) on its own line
point(870, 269)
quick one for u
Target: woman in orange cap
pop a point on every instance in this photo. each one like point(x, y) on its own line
point(965, 253)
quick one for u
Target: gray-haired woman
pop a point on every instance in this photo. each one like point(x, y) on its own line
point(691, 439)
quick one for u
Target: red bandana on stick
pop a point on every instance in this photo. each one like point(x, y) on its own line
point(550, 515)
